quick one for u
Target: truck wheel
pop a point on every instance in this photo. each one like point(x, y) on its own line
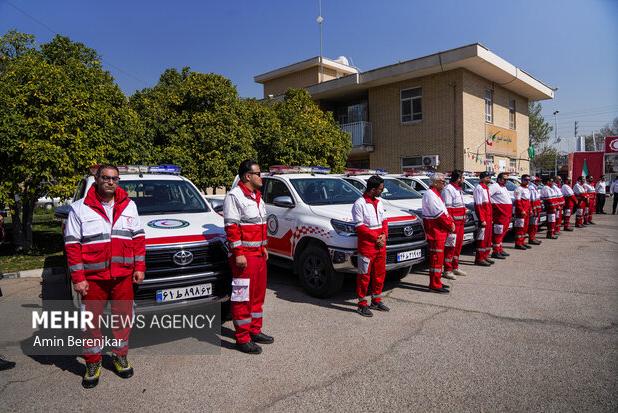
point(400, 273)
point(316, 274)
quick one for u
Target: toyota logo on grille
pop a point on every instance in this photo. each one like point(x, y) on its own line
point(183, 257)
point(408, 231)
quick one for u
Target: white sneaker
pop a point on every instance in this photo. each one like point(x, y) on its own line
point(449, 275)
point(460, 272)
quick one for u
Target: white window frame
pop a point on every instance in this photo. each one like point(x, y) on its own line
point(489, 105)
point(401, 100)
point(512, 114)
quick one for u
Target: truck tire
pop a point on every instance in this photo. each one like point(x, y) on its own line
point(316, 273)
point(400, 273)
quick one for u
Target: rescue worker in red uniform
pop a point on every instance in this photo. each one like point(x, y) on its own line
point(548, 197)
point(438, 225)
point(105, 246)
point(502, 208)
point(535, 211)
point(592, 199)
point(522, 213)
point(244, 216)
point(482, 207)
point(372, 230)
point(452, 195)
point(582, 202)
point(570, 203)
point(559, 202)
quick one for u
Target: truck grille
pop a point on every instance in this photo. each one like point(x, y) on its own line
point(397, 235)
point(210, 257)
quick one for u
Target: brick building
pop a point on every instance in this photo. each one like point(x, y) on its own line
point(463, 108)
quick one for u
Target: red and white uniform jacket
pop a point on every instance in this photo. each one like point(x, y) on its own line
point(522, 201)
point(590, 190)
point(501, 202)
point(435, 215)
point(558, 196)
point(535, 198)
point(567, 193)
point(580, 192)
point(454, 201)
point(244, 216)
point(369, 216)
point(482, 203)
point(548, 195)
point(100, 249)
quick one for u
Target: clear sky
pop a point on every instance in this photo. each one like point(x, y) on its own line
point(568, 44)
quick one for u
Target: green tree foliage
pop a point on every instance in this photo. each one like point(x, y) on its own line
point(308, 136)
point(598, 144)
point(60, 113)
point(197, 121)
point(540, 132)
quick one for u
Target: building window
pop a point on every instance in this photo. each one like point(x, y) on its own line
point(512, 113)
point(489, 105)
point(411, 105)
point(512, 165)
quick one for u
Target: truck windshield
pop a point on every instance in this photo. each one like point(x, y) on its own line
point(155, 197)
point(322, 191)
point(395, 189)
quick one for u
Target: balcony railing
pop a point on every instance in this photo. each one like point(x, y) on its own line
point(360, 132)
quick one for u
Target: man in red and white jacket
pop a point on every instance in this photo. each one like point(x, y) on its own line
point(502, 208)
point(548, 197)
point(582, 202)
point(482, 207)
point(535, 211)
point(453, 199)
point(244, 215)
point(372, 231)
point(106, 253)
point(523, 210)
point(438, 225)
point(559, 202)
point(592, 199)
point(570, 202)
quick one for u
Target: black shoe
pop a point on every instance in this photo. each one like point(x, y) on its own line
point(579, 226)
point(483, 264)
point(497, 256)
point(249, 348)
point(568, 229)
point(528, 247)
point(262, 338)
point(364, 311)
point(379, 306)
point(490, 261)
point(504, 254)
point(535, 242)
point(5, 364)
point(439, 290)
point(122, 367)
point(520, 247)
point(92, 374)
point(592, 223)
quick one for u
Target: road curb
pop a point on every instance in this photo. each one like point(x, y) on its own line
point(36, 273)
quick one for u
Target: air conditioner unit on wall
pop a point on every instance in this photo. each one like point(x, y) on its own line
point(422, 161)
point(431, 161)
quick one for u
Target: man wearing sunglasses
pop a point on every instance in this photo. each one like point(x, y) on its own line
point(106, 249)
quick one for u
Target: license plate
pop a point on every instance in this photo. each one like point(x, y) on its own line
point(469, 236)
point(183, 293)
point(543, 218)
point(409, 255)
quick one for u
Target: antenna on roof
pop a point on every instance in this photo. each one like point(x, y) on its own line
point(320, 20)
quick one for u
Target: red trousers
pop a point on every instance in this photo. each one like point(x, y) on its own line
point(120, 292)
point(521, 228)
point(551, 220)
point(483, 241)
point(370, 278)
point(436, 259)
point(248, 293)
point(591, 207)
point(580, 212)
point(567, 212)
point(558, 219)
point(533, 222)
point(451, 254)
point(500, 228)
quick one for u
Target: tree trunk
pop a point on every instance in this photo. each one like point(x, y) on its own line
point(18, 235)
point(21, 215)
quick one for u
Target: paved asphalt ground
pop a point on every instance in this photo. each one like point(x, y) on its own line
point(538, 332)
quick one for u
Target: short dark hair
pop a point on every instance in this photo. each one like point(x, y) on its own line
point(547, 179)
point(524, 176)
point(245, 167)
point(501, 175)
point(374, 182)
point(483, 175)
point(455, 175)
point(581, 177)
point(103, 167)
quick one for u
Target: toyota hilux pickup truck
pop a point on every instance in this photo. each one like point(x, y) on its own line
point(186, 257)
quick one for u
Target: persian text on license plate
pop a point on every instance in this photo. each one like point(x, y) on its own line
point(409, 255)
point(183, 293)
point(468, 236)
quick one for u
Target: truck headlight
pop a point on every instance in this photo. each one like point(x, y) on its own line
point(346, 229)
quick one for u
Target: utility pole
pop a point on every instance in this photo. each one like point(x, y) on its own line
point(320, 20)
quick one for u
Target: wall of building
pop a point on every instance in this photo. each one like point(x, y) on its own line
point(511, 144)
point(439, 132)
point(299, 79)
